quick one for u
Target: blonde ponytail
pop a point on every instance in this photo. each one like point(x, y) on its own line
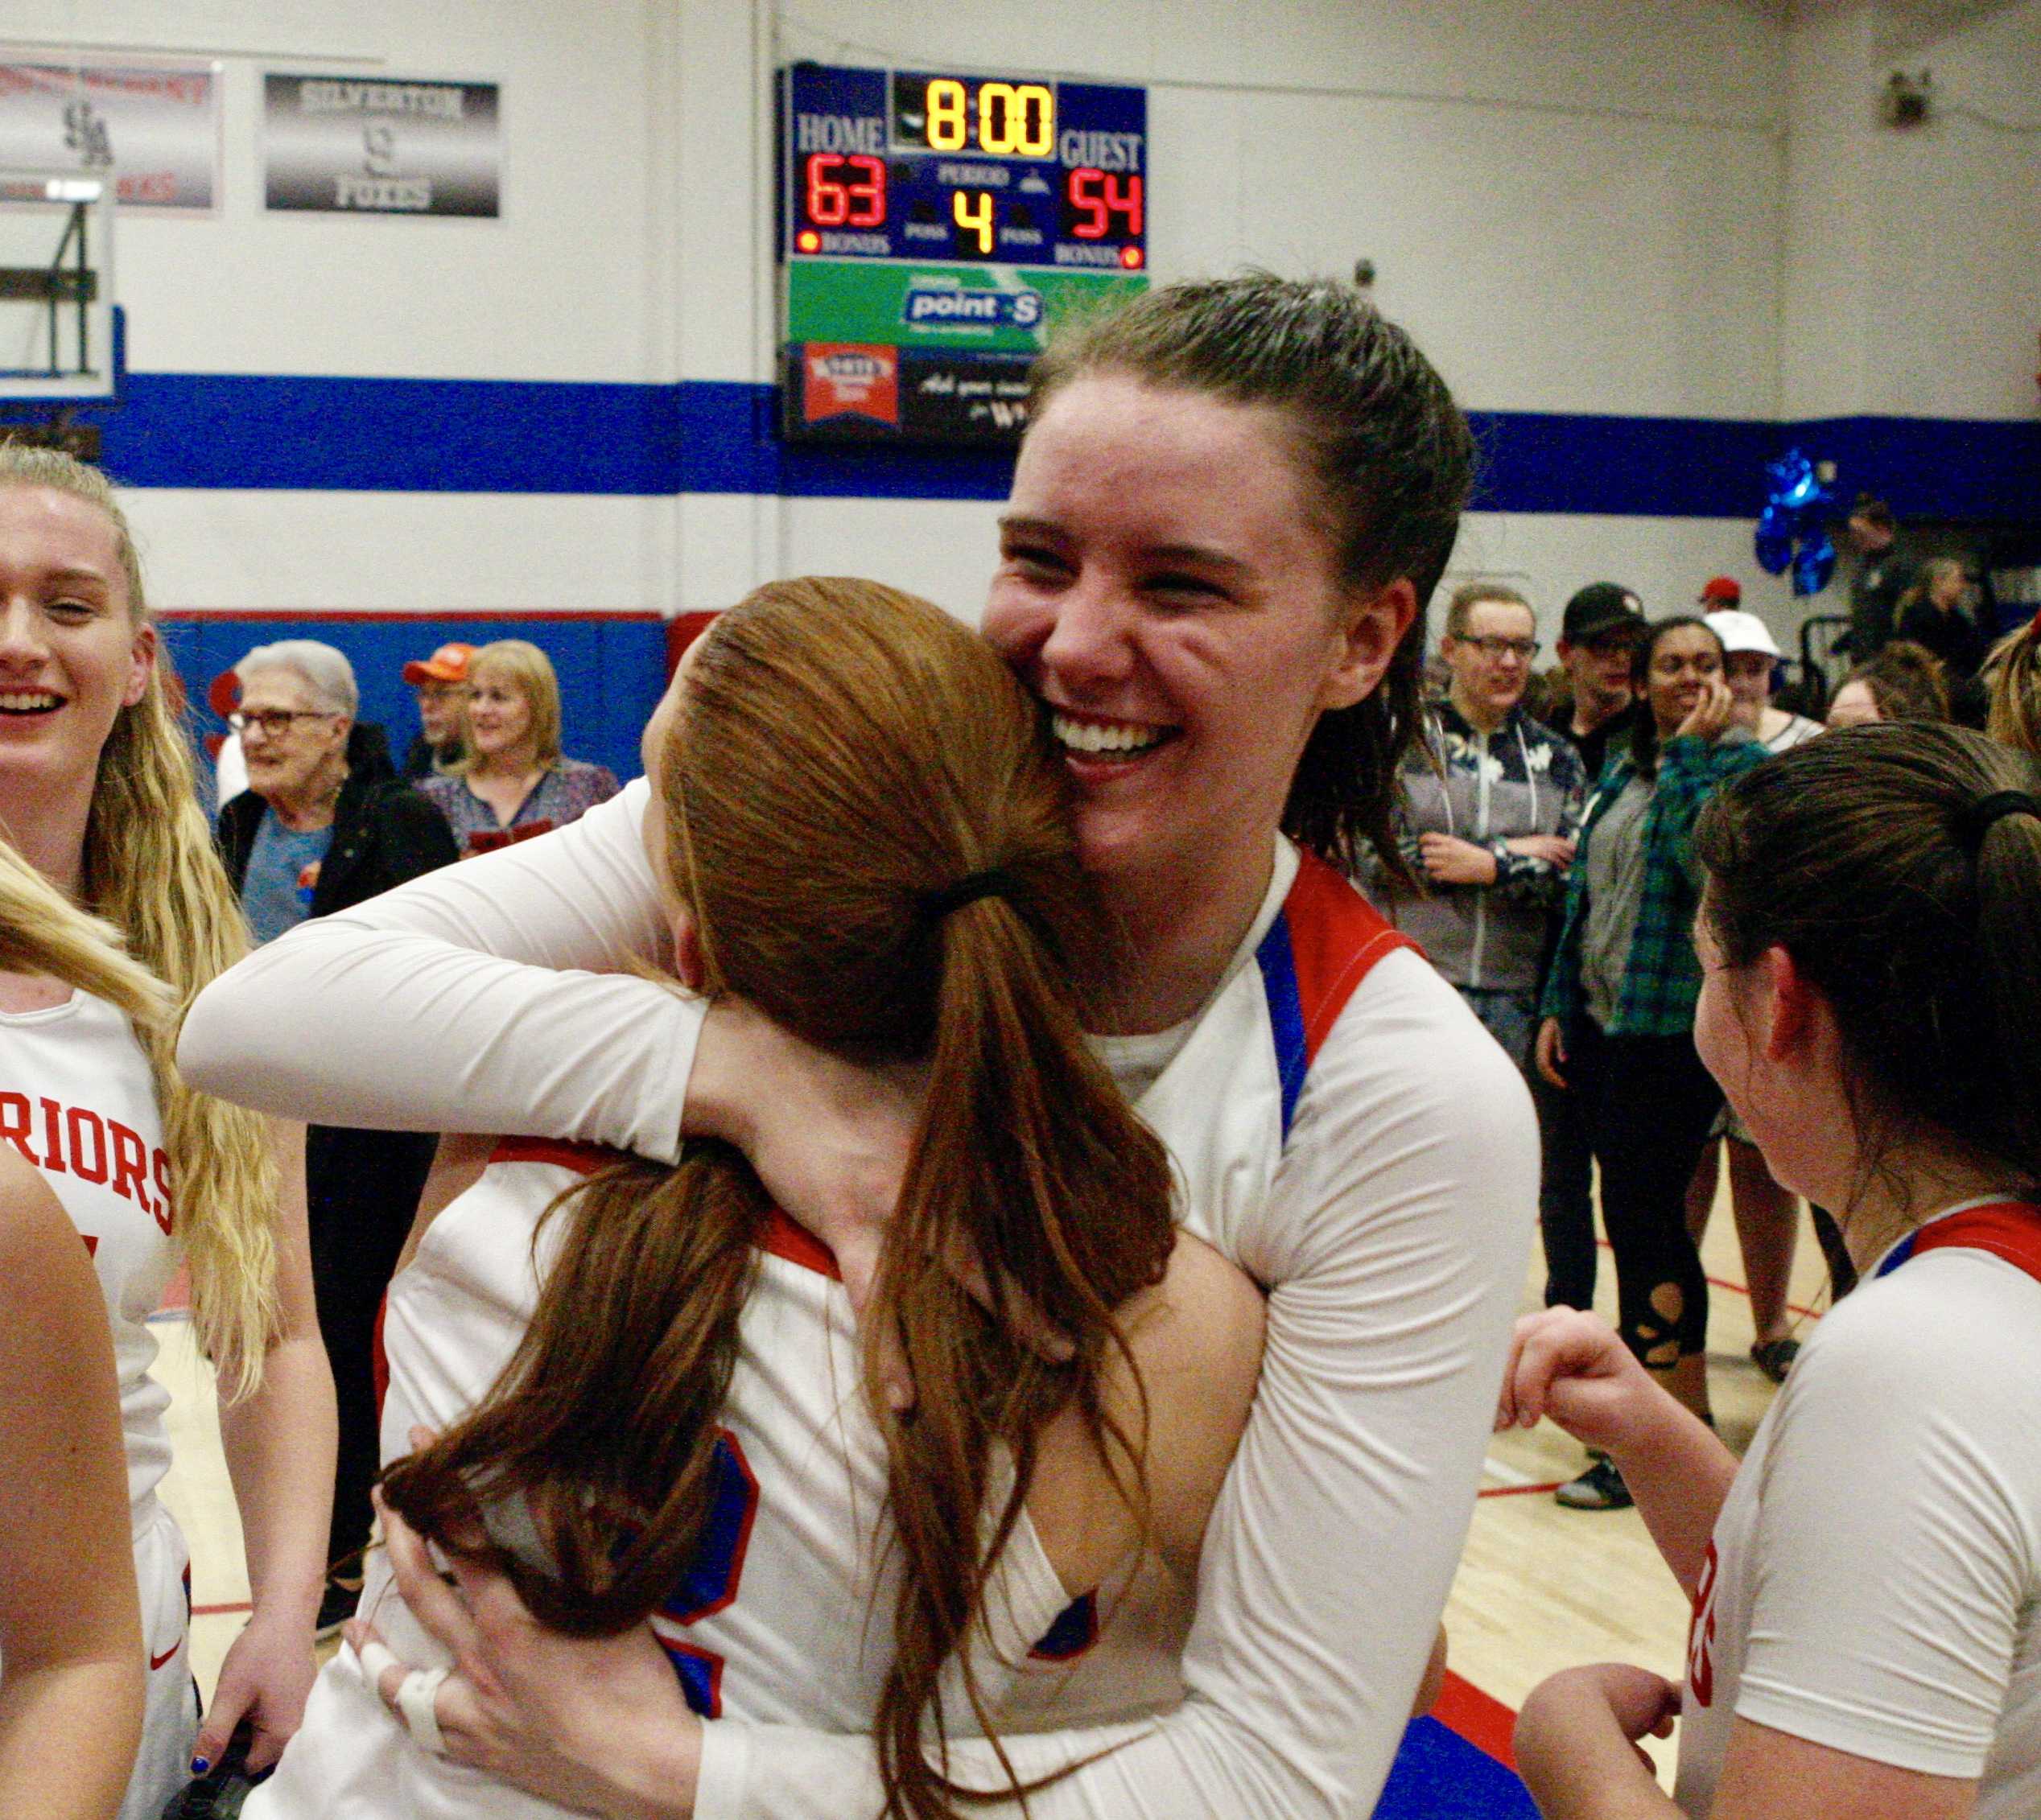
point(42, 932)
point(150, 871)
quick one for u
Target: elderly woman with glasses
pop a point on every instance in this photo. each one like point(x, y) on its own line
point(325, 824)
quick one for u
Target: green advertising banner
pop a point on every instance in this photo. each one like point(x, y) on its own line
point(992, 309)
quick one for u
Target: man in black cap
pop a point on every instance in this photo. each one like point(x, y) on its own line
point(1598, 639)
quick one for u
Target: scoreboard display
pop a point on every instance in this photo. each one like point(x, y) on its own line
point(933, 227)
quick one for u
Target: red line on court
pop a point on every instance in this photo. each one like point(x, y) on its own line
point(1479, 1718)
point(1738, 1289)
point(1517, 1491)
point(219, 1611)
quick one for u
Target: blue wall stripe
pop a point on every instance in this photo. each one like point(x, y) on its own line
point(611, 670)
point(713, 436)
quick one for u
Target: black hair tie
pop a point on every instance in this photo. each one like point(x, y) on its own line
point(1974, 820)
point(995, 881)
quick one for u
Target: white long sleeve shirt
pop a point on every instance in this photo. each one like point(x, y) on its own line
point(1385, 1201)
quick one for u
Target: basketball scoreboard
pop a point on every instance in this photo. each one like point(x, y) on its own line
point(934, 227)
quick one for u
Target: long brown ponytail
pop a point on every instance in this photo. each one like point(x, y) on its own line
point(862, 816)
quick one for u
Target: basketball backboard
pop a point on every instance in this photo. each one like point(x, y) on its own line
point(57, 284)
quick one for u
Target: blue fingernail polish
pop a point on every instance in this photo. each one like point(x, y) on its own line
point(200, 1766)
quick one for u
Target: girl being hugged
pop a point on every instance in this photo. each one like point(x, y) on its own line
point(857, 759)
point(1866, 1637)
point(96, 793)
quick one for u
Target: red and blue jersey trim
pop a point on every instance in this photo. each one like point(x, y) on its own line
point(781, 1237)
point(1322, 945)
point(2010, 1230)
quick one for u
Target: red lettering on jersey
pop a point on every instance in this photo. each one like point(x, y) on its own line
point(53, 1136)
point(131, 1165)
point(78, 1121)
point(165, 1210)
point(1700, 1638)
point(92, 1244)
point(13, 1123)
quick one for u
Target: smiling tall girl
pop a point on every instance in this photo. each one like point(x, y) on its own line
point(95, 792)
point(1233, 502)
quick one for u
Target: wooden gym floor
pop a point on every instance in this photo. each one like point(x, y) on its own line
point(1540, 1587)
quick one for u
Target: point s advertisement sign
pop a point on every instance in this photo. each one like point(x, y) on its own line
point(347, 145)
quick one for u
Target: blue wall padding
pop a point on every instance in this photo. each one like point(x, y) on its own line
point(612, 669)
point(1439, 1775)
point(713, 436)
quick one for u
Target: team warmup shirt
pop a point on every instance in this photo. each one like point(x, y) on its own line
point(78, 1100)
point(1375, 1170)
point(1873, 1584)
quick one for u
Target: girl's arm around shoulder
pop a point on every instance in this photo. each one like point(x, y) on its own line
point(71, 1697)
point(1195, 1342)
point(465, 1001)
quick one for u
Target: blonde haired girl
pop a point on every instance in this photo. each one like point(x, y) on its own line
point(96, 796)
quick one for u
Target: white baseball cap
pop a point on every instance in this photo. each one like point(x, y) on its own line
point(1739, 631)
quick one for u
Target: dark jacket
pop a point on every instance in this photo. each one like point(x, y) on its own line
point(1875, 601)
point(424, 759)
point(384, 831)
point(1952, 636)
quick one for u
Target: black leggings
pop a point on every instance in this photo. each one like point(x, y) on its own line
point(1565, 1195)
point(362, 1189)
point(1649, 1105)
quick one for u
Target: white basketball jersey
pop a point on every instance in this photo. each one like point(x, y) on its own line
point(787, 1617)
point(78, 1100)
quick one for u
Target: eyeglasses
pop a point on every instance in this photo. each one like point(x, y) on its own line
point(273, 723)
point(1527, 648)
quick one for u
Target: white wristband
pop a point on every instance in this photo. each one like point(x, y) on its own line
point(417, 1696)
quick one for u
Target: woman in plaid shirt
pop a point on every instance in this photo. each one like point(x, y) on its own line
point(1619, 1002)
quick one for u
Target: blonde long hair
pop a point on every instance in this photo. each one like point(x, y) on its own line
point(151, 872)
point(2013, 682)
point(527, 670)
point(42, 932)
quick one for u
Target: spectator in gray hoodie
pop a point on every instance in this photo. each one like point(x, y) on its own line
point(1491, 803)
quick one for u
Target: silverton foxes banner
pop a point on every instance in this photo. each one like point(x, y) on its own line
point(351, 145)
point(157, 128)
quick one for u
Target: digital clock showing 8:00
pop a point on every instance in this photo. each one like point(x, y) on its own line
point(1009, 171)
